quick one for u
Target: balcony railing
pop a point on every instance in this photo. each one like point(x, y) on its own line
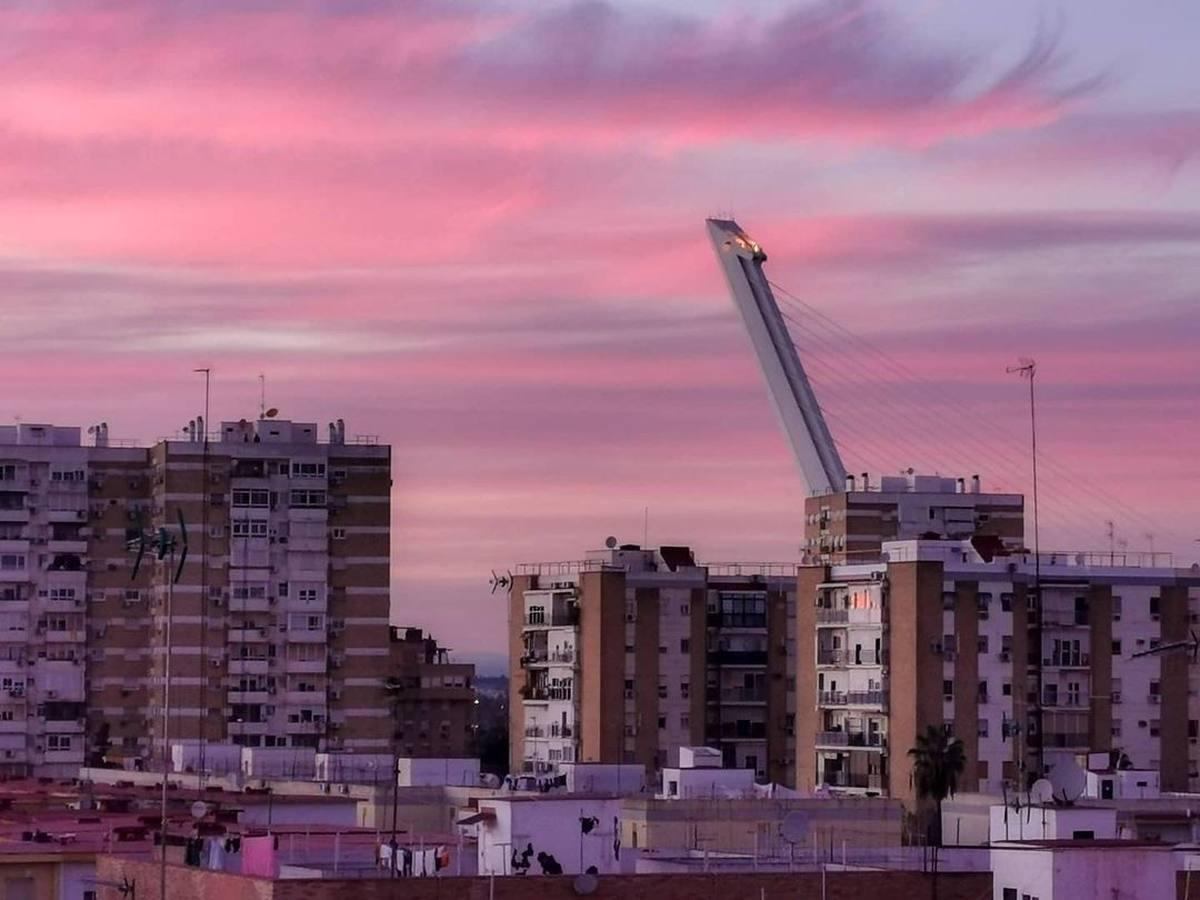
point(844, 657)
point(853, 780)
point(850, 739)
point(743, 695)
point(832, 616)
point(852, 698)
point(562, 656)
point(1071, 660)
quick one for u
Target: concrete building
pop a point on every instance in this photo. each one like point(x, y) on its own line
point(432, 698)
point(852, 525)
point(631, 653)
point(280, 615)
point(940, 635)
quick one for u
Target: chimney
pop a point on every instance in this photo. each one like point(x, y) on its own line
point(975, 487)
point(850, 483)
point(962, 485)
point(866, 481)
point(332, 433)
point(341, 427)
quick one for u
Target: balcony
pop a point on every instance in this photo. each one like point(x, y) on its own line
point(535, 731)
point(250, 604)
point(850, 739)
point(832, 616)
point(1069, 660)
point(246, 635)
point(563, 656)
point(307, 666)
point(249, 697)
point(743, 695)
point(852, 698)
point(249, 666)
point(854, 780)
point(756, 658)
point(844, 657)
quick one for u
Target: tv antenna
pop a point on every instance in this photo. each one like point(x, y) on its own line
point(173, 549)
point(1192, 644)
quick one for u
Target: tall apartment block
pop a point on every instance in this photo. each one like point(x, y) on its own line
point(631, 653)
point(852, 525)
point(281, 617)
point(280, 630)
point(433, 698)
point(940, 635)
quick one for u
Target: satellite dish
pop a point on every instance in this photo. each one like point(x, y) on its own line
point(794, 828)
point(271, 413)
point(585, 884)
point(610, 542)
point(1041, 791)
point(199, 809)
point(1068, 780)
point(91, 429)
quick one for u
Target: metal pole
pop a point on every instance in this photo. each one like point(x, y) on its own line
point(204, 504)
point(1037, 574)
point(166, 720)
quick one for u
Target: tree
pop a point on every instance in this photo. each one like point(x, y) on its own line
point(938, 763)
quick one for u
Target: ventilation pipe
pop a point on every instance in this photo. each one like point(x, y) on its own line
point(962, 485)
point(332, 433)
point(866, 481)
point(200, 428)
point(975, 486)
point(850, 483)
point(341, 427)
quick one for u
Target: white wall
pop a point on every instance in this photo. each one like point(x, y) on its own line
point(550, 826)
point(437, 772)
point(698, 783)
point(1048, 823)
point(1069, 873)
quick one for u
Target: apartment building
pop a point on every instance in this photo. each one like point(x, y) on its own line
point(940, 635)
point(433, 699)
point(50, 556)
point(631, 653)
point(280, 634)
point(852, 525)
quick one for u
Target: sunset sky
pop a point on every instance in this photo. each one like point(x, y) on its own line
point(477, 231)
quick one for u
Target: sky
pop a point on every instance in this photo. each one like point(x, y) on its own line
point(476, 230)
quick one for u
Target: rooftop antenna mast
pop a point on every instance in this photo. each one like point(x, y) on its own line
point(1027, 369)
point(742, 261)
point(262, 396)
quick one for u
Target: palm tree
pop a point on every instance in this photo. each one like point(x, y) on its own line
point(938, 763)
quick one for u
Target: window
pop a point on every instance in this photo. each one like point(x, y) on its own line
point(309, 499)
point(339, 534)
point(685, 646)
point(1116, 648)
point(981, 644)
point(8, 473)
point(685, 721)
point(742, 609)
point(983, 728)
point(1154, 605)
point(947, 688)
point(1006, 602)
point(662, 723)
point(258, 499)
point(249, 527)
point(58, 742)
point(948, 598)
point(662, 690)
point(12, 561)
point(1006, 689)
point(283, 589)
point(250, 592)
point(685, 690)
point(308, 470)
point(685, 609)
